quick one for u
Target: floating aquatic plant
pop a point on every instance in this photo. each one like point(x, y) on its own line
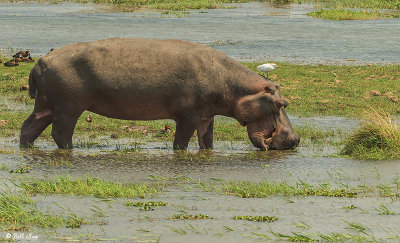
point(189, 217)
point(268, 219)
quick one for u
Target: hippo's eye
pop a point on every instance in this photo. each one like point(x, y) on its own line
point(269, 90)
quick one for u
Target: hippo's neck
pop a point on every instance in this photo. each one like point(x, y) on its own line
point(240, 86)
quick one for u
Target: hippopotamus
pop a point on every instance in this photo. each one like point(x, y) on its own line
point(149, 79)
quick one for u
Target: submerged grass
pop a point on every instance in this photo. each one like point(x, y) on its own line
point(19, 212)
point(264, 189)
point(377, 138)
point(88, 186)
point(189, 217)
point(146, 206)
point(268, 219)
point(246, 189)
point(333, 237)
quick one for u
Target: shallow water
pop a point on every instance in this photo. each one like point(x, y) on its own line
point(312, 163)
point(322, 215)
point(253, 31)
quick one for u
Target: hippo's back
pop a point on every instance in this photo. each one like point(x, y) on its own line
point(138, 61)
point(138, 73)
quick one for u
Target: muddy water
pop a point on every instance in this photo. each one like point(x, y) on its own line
point(311, 162)
point(321, 215)
point(253, 31)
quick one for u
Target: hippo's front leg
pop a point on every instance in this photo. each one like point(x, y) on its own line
point(205, 133)
point(184, 131)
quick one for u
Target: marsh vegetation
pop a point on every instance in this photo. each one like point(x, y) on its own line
point(123, 176)
point(377, 138)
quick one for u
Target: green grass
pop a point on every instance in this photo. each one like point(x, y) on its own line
point(264, 189)
point(356, 226)
point(383, 210)
point(377, 138)
point(4, 167)
point(19, 212)
point(311, 90)
point(146, 206)
point(88, 186)
point(371, 4)
point(350, 9)
point(325, 90)
point(132, 5)
point(189, 217)
point(328, 90)
point(246, 189)
point(344, 14)
point(349, 14)
point(268, 219)
point(318, 237)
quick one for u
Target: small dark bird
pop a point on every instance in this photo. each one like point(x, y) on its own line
point(11, 63)
point(22, 53)
point(27, 59)
point(52, 49)
point(89, 118)
point(24, 87)
point(167, 129)
point(17, 59)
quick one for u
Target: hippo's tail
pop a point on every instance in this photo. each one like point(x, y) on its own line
point(32, 85)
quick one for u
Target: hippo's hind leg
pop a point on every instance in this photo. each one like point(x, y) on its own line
point(184, 131)
point(36, 122)
point(205, 133)
point(64, 121)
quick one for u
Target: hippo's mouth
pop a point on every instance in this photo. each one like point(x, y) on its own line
point(266, 139)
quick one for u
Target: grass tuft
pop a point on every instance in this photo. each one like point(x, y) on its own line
point(344, 14)
point(88, 186)
point(268, 219)
point(377, 138)
point(246, 189)
point(189, 217)
point(19, 212)
point(146, 206)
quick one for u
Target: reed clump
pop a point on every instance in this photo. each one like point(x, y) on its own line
point(377, 138)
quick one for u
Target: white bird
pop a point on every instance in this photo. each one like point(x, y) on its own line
point(267, 67)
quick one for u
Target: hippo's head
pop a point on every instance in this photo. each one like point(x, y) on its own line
point(268, 125)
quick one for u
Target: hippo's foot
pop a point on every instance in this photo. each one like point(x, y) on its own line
point(184, 131)
point(205, 133)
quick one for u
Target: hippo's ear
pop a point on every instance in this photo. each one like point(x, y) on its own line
point(248, 109)
point(270, 90)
